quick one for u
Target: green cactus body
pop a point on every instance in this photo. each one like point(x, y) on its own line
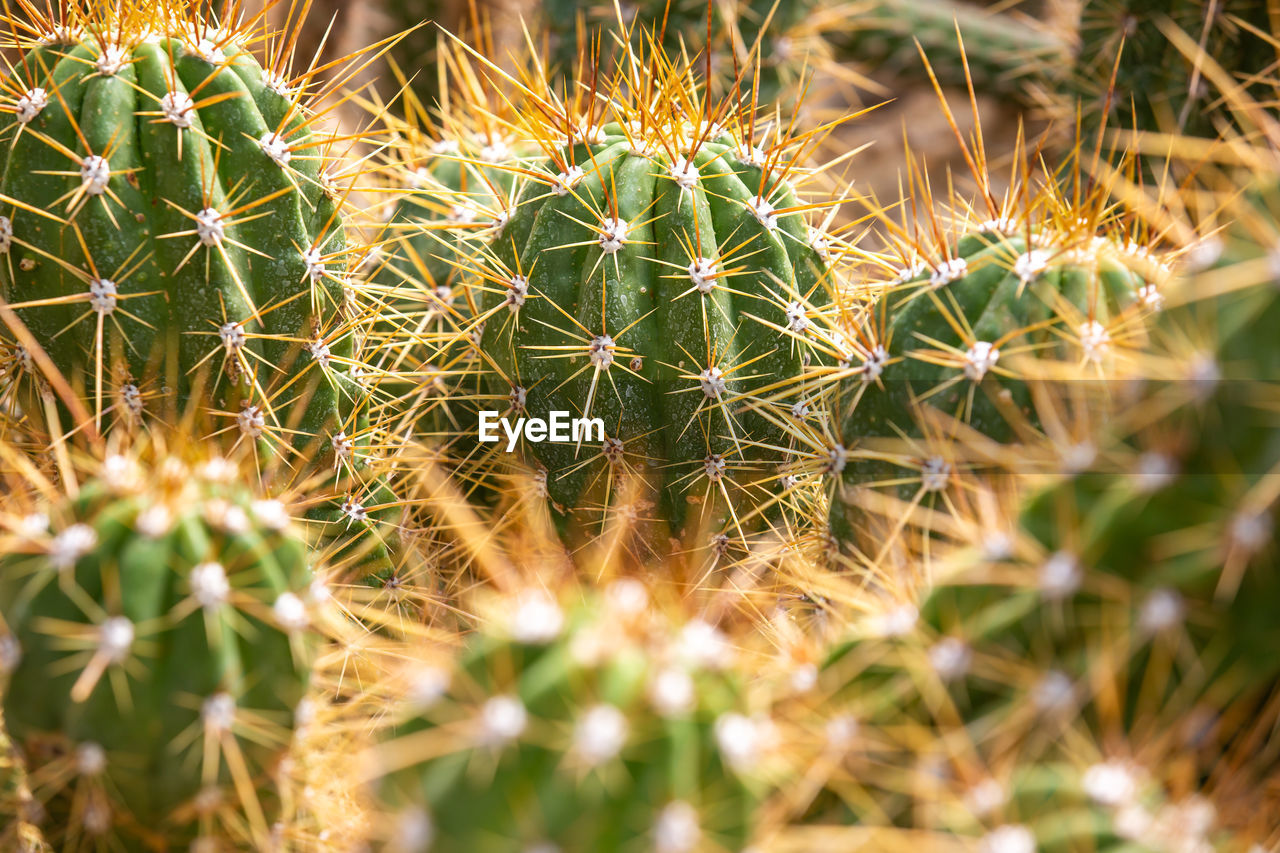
point(655, 295)
point(170, 224)
point(967, 337)
point(157, 649)
point(579, 732)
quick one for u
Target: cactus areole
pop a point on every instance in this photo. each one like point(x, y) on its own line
point(168, 225)
point(657, 280)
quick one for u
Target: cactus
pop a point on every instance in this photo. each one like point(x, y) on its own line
point(172, 224)
point(448, 188)
point(1124, 610)
point(654, 273)
point(589, 730)
point(956, 355)
point(157, 647)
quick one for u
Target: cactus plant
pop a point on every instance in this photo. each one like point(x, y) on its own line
point(173, 231)
point(157, 646)
point(651, 274)
point(600, 728)
point(954, 354)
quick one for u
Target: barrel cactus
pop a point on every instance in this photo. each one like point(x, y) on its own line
point(172, 225)
point(655, 273)
point(157, 647)
point(950, 359)
point(589, 729)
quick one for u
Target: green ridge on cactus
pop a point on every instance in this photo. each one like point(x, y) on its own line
point(157, 653)
point(600, 729)
point(170, 225)
point(654, 294)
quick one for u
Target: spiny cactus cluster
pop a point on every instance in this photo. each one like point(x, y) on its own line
point(944, 520)
point(158, 643)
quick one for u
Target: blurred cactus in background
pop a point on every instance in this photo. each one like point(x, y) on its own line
point(588, 729)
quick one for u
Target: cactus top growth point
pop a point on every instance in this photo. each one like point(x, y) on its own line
point(157, 643)
point(171, 227)
point(656, 272)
